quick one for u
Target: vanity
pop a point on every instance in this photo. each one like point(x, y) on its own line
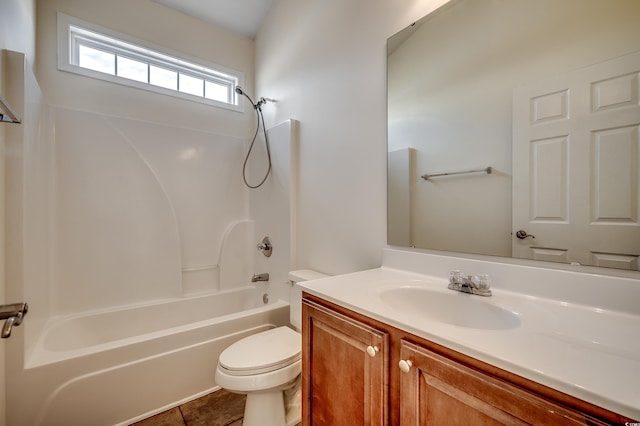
point(393, 345)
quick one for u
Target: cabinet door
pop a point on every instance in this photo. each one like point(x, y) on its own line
point(345, 368)
point(439, 391)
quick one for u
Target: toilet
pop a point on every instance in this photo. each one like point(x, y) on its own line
point(267, 364)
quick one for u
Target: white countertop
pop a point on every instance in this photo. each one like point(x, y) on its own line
point(587, 351)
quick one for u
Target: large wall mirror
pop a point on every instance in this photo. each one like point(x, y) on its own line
point(513, 130)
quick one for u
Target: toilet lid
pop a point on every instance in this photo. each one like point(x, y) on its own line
point(262, 352)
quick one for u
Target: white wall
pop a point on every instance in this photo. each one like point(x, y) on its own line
point(325, 63)
point(17, 32)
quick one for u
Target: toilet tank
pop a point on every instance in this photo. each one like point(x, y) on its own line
point(295, 310)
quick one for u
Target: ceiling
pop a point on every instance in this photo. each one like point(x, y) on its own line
point(242, 17)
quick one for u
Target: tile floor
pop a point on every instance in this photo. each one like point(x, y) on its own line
point(220, 408)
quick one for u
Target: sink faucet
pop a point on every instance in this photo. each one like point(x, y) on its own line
point(260, 277)
point(478, 285)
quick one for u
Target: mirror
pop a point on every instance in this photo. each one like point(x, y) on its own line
point(518, 115)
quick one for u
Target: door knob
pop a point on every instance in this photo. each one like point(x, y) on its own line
point(522, 234)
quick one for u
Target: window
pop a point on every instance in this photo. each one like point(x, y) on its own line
point(96, 52)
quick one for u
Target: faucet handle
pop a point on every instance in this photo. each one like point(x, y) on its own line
point(456, 277)
point(13, 315)
point(482, 281)
point(265, 246)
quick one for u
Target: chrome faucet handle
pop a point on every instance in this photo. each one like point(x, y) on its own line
point(482, 284)
point(266, 247)
point(13, 315)
point(482, 281)
point(456, 277)
point(456, 280)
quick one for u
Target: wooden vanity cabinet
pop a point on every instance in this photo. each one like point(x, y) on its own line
point(343, 384)
point(438, 391)
point(344, 370)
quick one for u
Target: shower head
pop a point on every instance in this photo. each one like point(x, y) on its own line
point(240, 91)
point(256, 105)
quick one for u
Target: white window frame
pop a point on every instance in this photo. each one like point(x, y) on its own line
point(73, 32)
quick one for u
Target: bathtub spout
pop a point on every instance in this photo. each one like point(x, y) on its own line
point(260, 277)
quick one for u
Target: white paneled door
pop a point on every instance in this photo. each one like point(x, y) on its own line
point(576, 160)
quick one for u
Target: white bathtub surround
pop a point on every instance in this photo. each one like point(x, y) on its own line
point(68, 337)
point(147, 211)
point(236, 254)
point(133, 244)
point(121, 366)
point(142, 210)
point(577, 332)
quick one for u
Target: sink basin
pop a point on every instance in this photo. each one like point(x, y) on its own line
point(450, 307)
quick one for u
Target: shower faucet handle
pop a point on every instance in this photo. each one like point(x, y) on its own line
point(266, 247)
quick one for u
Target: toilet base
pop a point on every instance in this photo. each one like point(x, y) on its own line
point(264, 409)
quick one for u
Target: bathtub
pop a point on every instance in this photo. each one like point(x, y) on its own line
point(119, 366)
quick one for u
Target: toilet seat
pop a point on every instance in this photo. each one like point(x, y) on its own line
point(257, 354)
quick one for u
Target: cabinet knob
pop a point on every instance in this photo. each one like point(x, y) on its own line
point(405, 366)
point(372, 351)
